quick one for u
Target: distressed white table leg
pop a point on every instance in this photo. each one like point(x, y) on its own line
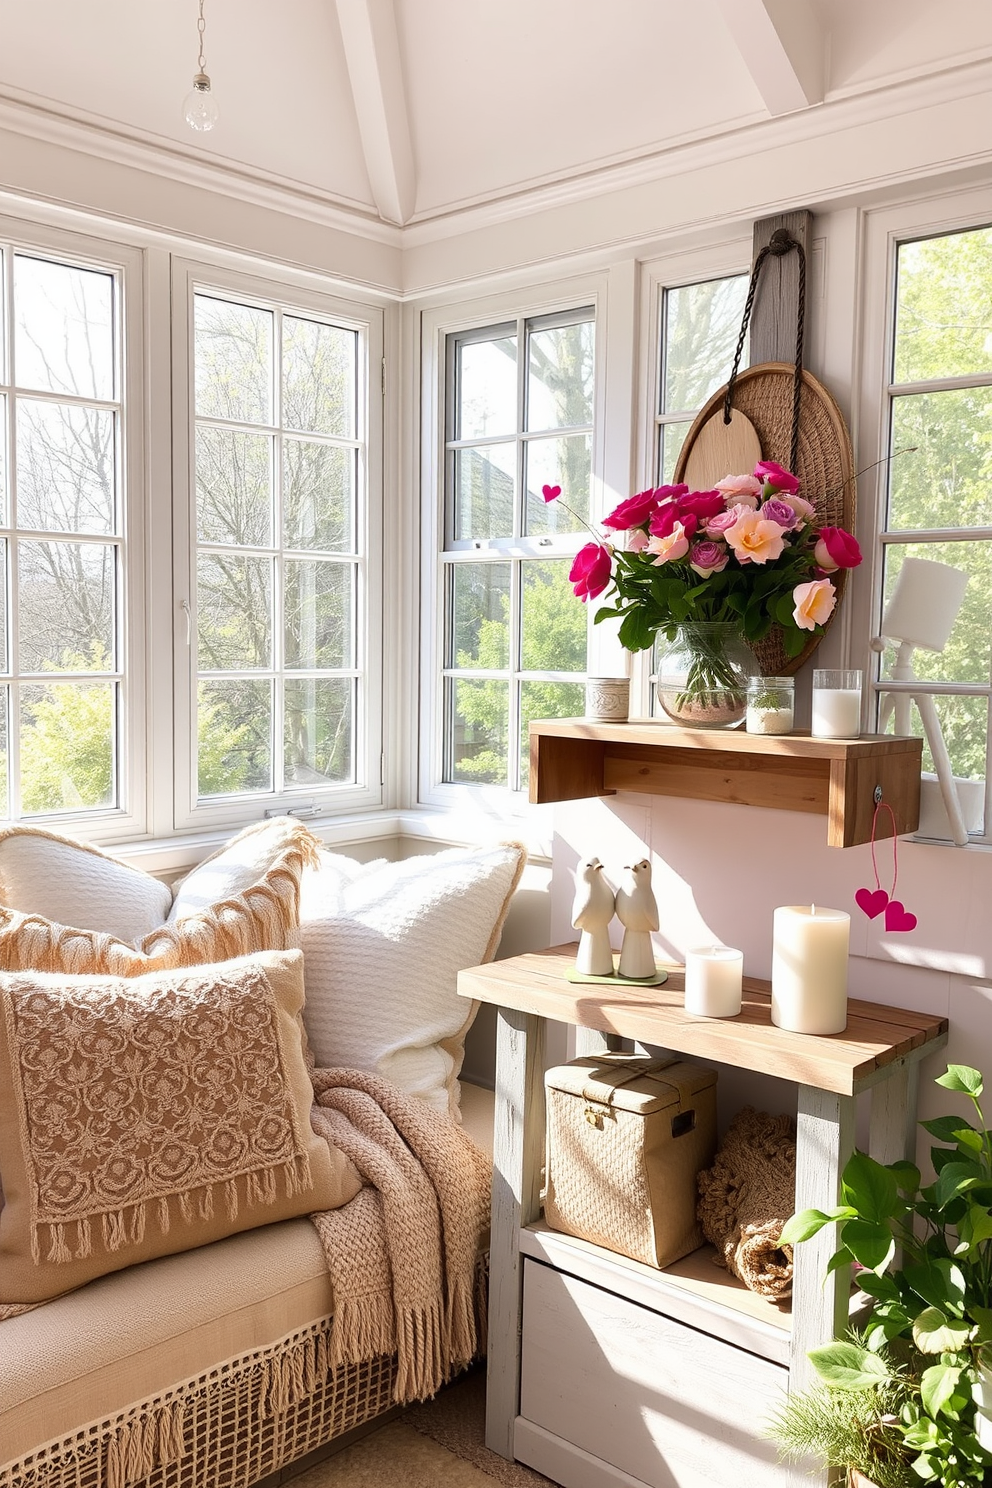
point(590, 1041)
point(892, 1127)
point(518, 1152)
point(824, 1141)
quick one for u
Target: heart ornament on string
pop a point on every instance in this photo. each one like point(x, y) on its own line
point(876, 901)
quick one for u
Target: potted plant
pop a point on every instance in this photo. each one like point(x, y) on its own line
point(924, 1253)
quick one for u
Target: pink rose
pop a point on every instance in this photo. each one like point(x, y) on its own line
point(668, 517)
point(740, 489)
point(550, 493)
point(814, 603)
point(637, 540)
point(672, 545)
point(780, 512)
point(591, 571)
point(755, 540)
point(804, 510)
point(702, 504)
point(835, 549)
point(774, 478)
point(633, 512)
point(708, 558)
point(667, 493)
point(720, 524)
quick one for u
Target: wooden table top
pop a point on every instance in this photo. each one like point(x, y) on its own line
point(876, 1035)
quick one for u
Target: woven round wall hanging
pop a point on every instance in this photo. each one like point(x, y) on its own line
point(782, 410)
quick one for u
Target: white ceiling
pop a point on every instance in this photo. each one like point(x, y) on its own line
point(410, 109)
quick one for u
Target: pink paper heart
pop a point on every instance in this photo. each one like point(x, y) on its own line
point(550, 492)
point(872, 901)
point(898, 918)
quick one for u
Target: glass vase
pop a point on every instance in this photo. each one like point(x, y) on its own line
point(703, 675)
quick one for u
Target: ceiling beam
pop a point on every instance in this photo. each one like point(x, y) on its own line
point(375, 70)
point(784, 50)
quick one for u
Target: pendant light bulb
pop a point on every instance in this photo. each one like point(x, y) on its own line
point(199, 107)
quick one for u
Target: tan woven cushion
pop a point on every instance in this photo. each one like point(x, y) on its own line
point(135, 1334)
point(257, 907)
point(143, 1116)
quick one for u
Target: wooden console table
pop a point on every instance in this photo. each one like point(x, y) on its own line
point(674, 1310)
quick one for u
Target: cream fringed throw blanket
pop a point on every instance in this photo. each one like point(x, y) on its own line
point(403, 1255)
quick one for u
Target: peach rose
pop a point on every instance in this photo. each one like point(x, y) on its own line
point(674, 545)
point(814, 603)
point(755, 539)
point(637, 540)
point(741, 490)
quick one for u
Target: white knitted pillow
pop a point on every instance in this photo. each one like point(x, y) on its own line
point(75, 884)
point(382, 946)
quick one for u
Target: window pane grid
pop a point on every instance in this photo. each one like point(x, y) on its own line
point(288, 722)
point(936, 504)
point(62, 642)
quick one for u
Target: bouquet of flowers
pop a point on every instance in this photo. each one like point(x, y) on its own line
point(749, 552)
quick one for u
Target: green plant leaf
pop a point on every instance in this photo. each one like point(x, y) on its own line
point(961, 1077)
point(803, 1226)
point(879, 1286)
point(907, 1176)
point(871, 1245)
point(937, 1385)
point(935, 1333)
point(946, 1128)
point(869, 1188)
point(983, 1317)
point(956, 1179)
point(938, 1281)
point(846, 1366)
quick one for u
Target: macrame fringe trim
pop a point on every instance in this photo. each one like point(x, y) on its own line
point(72, 1240)
point(138, 1446)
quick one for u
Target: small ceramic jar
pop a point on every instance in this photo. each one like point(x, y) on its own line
point(607, 698)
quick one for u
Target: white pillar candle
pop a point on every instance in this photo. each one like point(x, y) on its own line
point(713, 980)
point(809, 969)
point(836, 712)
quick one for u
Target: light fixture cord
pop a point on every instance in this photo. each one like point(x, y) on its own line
point(201, 26)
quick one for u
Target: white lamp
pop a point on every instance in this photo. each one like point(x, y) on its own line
point(921, 613)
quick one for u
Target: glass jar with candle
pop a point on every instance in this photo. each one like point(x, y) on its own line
point(770, 705)
point(836, 704)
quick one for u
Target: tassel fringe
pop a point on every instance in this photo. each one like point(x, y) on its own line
point(137, 1447)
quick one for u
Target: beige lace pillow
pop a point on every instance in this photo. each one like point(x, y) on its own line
point(260, 869)
point(144, 1116)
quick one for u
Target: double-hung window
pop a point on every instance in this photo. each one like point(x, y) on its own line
point(937, 486)
point(65, 713)
point(518, 418)
point(276, 712)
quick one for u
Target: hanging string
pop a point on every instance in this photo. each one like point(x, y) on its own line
point(780, 244)
point(884, 806)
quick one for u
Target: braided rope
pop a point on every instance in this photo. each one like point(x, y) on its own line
point(780, 244)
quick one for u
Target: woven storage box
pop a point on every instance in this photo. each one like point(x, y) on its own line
point(626, 1139)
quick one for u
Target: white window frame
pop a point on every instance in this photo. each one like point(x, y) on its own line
point(130, 816)
point(530, 303)
point(188, 278)
point(884, 229)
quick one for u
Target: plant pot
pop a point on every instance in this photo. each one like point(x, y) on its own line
point(857, 1479)
point(703, 674)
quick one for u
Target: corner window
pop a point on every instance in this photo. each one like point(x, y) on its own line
point(279, 603)
point(938, 501)
point(518, 417)
point(62, 537)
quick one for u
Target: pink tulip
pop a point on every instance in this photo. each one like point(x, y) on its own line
point(775, 478)
point(591, 571)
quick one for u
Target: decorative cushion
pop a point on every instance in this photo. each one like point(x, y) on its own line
point(257, 875)
point(144, 1116)
point(383, 943)
point(43, 874)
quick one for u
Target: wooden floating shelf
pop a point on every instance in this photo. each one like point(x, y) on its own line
point(572, 758)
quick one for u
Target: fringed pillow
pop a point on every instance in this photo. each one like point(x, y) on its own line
point(383, 945)
point(255, 880)
point(144, 1116)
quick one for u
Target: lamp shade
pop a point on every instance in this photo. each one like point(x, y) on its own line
point(924, 604)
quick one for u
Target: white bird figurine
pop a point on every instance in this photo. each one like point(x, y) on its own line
point(637, 910)
point(592, 911)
